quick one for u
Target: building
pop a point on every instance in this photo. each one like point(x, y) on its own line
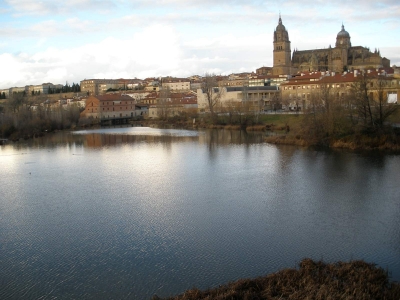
point(267, 80)
point(176, 104)
point(342, 57)
point(94, 87)
point(112, 106)
point(299, 91)
point(176, 84)
point(263, 71)
point(256, 98)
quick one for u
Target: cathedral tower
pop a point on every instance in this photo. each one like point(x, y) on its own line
point(282, 52)
point(341, 52)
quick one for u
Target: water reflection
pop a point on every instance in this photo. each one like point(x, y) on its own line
point(128, 135)
point(126, 213)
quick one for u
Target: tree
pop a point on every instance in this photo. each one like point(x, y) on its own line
point(372, 113)
point(362, 100)
point(164, 103)
point(383, 109)
point(16, 101)
point(212, 92)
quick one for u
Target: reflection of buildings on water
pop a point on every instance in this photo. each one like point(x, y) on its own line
point(226, 137)
point(209, 137)
point(96, 140)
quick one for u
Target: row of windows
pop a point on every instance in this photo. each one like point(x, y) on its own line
point(116, 102)
point(118, 108)
point(307, 96)
point(299, 87)
point(333, 85)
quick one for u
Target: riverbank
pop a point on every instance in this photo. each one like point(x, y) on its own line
point(312, 280)
point(292, 129)
point(387, 142)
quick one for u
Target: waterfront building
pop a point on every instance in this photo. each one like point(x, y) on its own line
point(174, 104)
point(112, 106)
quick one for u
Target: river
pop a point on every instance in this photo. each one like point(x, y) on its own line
point(126, 213)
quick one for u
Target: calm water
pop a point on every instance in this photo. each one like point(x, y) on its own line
point(127, 213)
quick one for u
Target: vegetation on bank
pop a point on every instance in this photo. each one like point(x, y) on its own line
point(22, 117)
point(312, 280)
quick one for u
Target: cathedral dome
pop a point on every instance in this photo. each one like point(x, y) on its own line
point(343, 33)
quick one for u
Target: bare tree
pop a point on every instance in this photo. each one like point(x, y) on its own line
point(16, 101)
point(373, 113)
point(362, 100)
point(383, 109)
point(212, 92)
point(164, 103)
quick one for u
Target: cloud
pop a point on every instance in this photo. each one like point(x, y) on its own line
point(46, 7)
point(108, 58)
point(89, 38)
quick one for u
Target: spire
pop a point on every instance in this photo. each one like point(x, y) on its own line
point(280, 19)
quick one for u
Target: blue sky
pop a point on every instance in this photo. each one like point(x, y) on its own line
point(49, 41)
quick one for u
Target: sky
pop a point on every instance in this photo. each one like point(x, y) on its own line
point(69, 41)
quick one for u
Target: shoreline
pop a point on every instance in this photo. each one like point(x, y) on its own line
point(312, 280)
point(385, 143)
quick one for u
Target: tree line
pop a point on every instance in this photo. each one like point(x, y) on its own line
point(19, 118)
point(364, 111)
point(75, 88)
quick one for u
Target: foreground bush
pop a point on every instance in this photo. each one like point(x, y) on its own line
point(313, 280)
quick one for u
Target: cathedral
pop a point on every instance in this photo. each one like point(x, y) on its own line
point(343, 57)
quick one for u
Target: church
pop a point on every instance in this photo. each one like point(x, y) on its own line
point(343, 57)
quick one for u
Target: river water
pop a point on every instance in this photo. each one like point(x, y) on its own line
point(126, 213)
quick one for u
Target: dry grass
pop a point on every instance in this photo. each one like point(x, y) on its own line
point(258, 128)
point(287, 140)
point(313, 280)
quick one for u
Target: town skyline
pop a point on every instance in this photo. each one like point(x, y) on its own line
point(47, 42)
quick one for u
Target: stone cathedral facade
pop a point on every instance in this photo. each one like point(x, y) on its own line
point(343, 57)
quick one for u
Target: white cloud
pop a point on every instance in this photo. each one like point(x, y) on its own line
point(140, 39)
point(46, 7)
point(156, 48)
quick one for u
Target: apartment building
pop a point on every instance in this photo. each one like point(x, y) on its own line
point(299, 91)
point(101, 86)
point(257, 98)
point(176, 84)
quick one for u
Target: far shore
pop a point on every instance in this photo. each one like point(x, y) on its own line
point(279, 129)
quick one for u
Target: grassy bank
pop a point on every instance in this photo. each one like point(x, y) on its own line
point(312, 280)
point(308, 131)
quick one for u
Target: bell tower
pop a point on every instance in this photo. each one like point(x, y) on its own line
point(282, 52)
